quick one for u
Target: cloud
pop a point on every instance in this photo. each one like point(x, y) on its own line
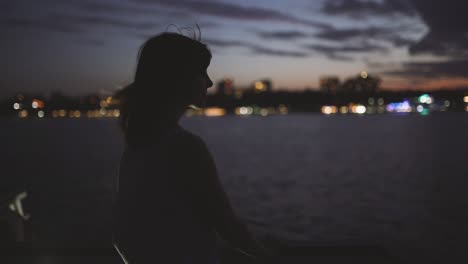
point(343, 52)
point(362, 8)
point(74, 23)
point(131, 9)
point(282, 35)
point(280, 53)
point(256, 49)
point(448, 28)
point(87, 21)
point(41, 24)
point(449, 68)
point(234, 11)
point(390, 35)
point(226, 43)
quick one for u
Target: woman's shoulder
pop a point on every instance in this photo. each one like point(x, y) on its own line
point(189, 149)
point(189, 140)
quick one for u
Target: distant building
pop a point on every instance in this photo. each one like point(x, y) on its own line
point(225, 87)
point(329, 84)
point(363, 83)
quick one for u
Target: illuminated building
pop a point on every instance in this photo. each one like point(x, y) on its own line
point(363, 83)
point(329, 84)
point(225, 87)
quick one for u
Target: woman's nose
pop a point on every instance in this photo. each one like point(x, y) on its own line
point(210, 83)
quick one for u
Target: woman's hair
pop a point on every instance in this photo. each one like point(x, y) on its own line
point(167, 63)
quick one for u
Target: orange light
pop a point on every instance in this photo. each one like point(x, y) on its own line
point(37, 103)
point(62, 113)
point(259, 86)
point(23, 113)
point(328, 110)
point(214, 111)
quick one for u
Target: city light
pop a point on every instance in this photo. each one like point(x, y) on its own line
point(244, 110)
point(328, 110)
point(364, 75)
point(360, 109)
point(215, 111)
point(241, 111)
point(425, 99)
point(258, 99)
point(401, 107)
point(259, 86)
point(283, 109)
point(263, 112)
point(37, 104)
point(23, 114)
point(344, 109)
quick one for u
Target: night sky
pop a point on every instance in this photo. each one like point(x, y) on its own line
point(80, 46)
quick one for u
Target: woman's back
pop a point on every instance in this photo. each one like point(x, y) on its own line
point(155, 214)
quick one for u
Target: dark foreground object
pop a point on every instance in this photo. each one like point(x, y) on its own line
point(29, 253)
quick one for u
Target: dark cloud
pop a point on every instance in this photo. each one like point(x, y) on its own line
point(276, 52)
point(234, 11)
point(343, 52)
point(74, 23)
point(40, 24)
point(131, 9)
point(448, 28)
point(283, 35)
point(256, 49)
point(363, 8)
point(89, 21)
point(226, 43)
point(390, 35)
point(450, 68)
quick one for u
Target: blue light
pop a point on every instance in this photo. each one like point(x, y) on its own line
point(400, 107)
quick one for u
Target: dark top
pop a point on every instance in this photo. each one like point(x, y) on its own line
point(165, 207)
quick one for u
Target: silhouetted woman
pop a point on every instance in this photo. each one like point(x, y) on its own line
point(170, 202)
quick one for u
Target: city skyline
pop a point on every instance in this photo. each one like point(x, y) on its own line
point(80, 47)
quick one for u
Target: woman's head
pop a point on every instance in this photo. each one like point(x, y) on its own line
point(170, 75)
point(169, 67)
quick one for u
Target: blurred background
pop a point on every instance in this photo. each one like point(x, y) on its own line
point(338, 122)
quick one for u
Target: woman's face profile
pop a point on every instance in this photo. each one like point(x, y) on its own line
point(200, 85)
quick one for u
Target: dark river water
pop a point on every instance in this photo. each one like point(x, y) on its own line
point(399, 182)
